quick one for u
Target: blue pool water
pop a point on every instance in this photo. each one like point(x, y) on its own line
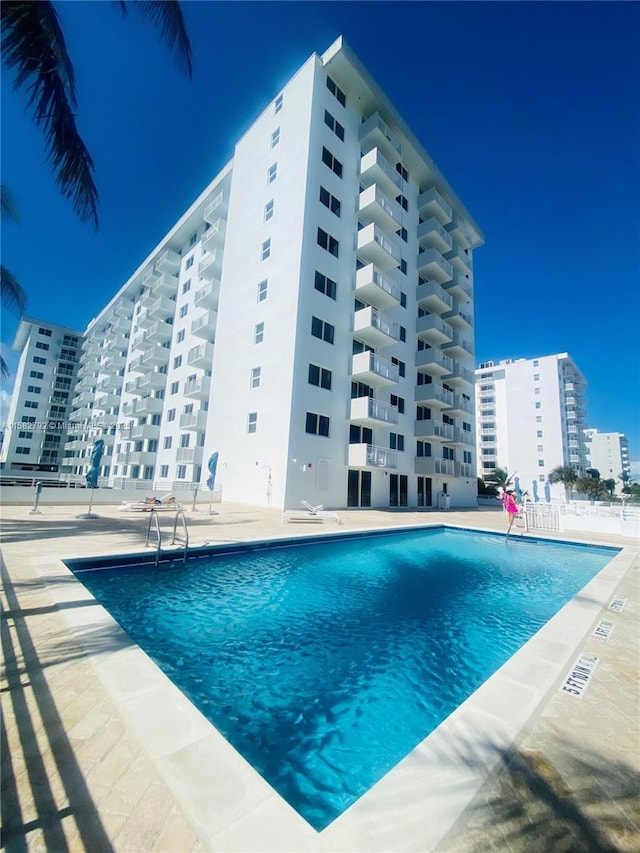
point(325, 663)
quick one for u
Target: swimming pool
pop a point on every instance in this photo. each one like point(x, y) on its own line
point(325, 663)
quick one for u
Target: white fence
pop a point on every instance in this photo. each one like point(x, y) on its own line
point(580, 516)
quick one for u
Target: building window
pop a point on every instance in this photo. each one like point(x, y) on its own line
point(403, 266)
point(540, 448)
point(180, 336)
point(466, 457)
point(540, 463)
point(164, 472)
point(538, 405)
point(319, 376)
point(177, 361)
point(536, 377)
point(536, 363)
point(37, 359)
point(186, 287)
point(174, 387)
point(399, 364)
point(336, 91)
point(275, 137)
point(34, 389)
point(332, 162)
point(268, 210)
point(326, 241)
point(396, 442)
point(278, 103)
point(41, 345)
point(168, 441)
point(36, 374)
point(254, 381)
point(24, 451)
point(539, 433)
point(402, 201)
point(189, 262)
point(184, 310)
point(30, 404)
point(322, 330)
point(317, 424)
point(262, 290)
point(258, 333)
point(171, 415)
point(398, 402)
point(265, 249)
point(181, 472)
point(403, 299)
point(335, 126)
point(330, 201)
point(45, 332)
point(325, 285)
point(185, 439)
point(25, 434)
point(252, 422)
point(400, 169)
point(536, 390)
point(423, 448)
point(272, 173)
point(403, 234)
point(539, 419)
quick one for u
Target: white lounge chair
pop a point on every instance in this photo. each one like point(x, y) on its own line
point(167, 504)
point(311, 514)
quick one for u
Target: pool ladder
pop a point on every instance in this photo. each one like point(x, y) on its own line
point(180, 516)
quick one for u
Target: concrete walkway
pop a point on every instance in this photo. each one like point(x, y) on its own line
point(77, 774)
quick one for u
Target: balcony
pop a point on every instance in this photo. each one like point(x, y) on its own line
point(141, 432)
point(145, 406)
point(375, 247)
point(375, 288)
point(216, 209)
point(158, 332)
point(431, 203)
point(432, 235)
point(460, 377)
point(374, 329)
point(160, 308)
point(432, 297)
point(369, 412)
point(463, 469)
point(165, 284)
point(434, 330)
point(375, 133)
point(84, 396)
point(189, 455)
point(432, 265)
point(168, 261)
point(107, 401)
point(214, 236)
point(142, 457)
point(370, 368)
point(437, 362)
point(459, 319)
point(374, 206)
point(460, 260)
point(431, 465)
point(204, 326)
point(460, 405)
point(83, 413)
point(460, 232)
point(150, 277)
point(211, 265)
point(434, 395)
point(460, 289)
point(197, 389)
point(207, 296)
point(376, 169)
point(111, 383)
point(115, 361)
point(194, 421)
point(151, 381)
point(201, 356)
point(155, 356)
point(434, 430)
point(459, 347)
point(371, 456)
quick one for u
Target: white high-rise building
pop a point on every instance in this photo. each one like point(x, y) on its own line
point(310, 318)
point(37, 425)
point(531, 419)
point(608, 453)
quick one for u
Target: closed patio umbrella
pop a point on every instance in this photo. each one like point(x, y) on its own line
point(212, 465)
point(518, 490)
point(547, 492)
point(535, 491)
point(91, 476)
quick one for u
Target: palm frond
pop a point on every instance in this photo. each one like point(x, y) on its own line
point(4, 370)
point(8, 206)
point(12, 296)
point(33, 44)
point(167, 16)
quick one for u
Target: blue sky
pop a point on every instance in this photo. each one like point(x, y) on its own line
point(531, 110)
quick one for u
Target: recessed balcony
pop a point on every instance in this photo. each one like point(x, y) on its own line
point(200, 356)
point(168, 261)
point(431, 203)
point(207, 296)
point(204, 326)
point(376, 169)
point(432, 297)
point(197, 389)
point(216, 209)
point(369, 412)
point(434, 395)
point(189, 455)
point(211, 265)
point(194, 421)
point(214, 236)
point(376, 133)
point(376, 248)
point(375, 206)
point(432, 235)
point(434, 330)
point(373, 370)
point(432, 265)
point(436, 361)
point(141, 432)
point(375, 288)
point(371, 456)
point(371, 327)
point(434, 430)
point(431, 465)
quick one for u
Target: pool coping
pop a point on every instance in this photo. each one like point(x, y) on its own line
point(416, 803)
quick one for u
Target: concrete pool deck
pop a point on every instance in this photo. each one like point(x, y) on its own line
point(100, 752)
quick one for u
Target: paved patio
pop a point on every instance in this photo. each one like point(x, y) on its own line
point(88, 766)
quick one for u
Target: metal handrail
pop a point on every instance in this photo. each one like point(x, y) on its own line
point(153, 515)
point(185, 541)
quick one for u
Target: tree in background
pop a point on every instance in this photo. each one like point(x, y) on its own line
point(593, 487)
point(566, 475)
point(12, 296)
point(34, 48)
point(487, 489)
point(500, 478)
point(610, 485)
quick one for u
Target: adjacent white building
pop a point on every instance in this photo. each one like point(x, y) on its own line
point(531, 419)
point(310, 318)
point(608, 453)
point(37, 426)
